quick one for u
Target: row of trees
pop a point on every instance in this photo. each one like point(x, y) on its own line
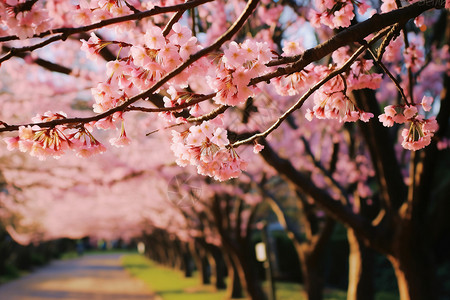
point(16, 258)
point(209, 80)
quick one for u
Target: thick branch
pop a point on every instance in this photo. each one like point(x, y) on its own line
point(355, 33)
point(333, 208)
point(431, 155)
point(314, 88)
point(327, 174)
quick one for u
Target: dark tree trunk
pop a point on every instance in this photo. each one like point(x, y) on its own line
point(235, 289)
point(219, 268)
point(253, 284)
point(415, 269)
point(312, 273)
point(360, 275)
point(187, 262)
point(205, 270)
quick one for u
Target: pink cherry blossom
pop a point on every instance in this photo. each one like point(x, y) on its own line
point(181, 34)
point(154, 38)
point(234, 56)
point(410, 111)
point(257, 148)
point(426, 103)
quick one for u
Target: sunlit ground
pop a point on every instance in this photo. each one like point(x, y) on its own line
point(100, 275)
point(172, 285)
point(93, 277)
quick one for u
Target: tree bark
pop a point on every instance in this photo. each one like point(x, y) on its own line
point(187, 262)
point(205, 270)
point(415, 277)
point(219, 267)
point(312, 273)
point(252, 281)
point(360, 275)
point(235, 289)
point(412, 257)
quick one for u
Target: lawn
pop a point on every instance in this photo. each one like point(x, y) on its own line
point(168, 283)
point(172, 285)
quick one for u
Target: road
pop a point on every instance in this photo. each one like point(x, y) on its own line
point(90, 277)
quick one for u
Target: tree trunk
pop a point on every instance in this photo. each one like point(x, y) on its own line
point(415, 275)
point(218, 267)
point(235, 289)
point(252, 282)
point(220, 270)
point(360, 275)
point(205, 269)
point(312, 273)
point(187, 262)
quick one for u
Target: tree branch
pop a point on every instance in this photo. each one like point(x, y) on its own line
point(355, 33)
point(251, 5)
point(332, 207)
point(43, 63)
point(135, 16)
point(314, 88)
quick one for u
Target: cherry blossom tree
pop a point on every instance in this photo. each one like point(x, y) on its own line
point(355, 118)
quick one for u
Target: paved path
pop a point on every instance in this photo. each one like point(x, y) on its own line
point(91, 277)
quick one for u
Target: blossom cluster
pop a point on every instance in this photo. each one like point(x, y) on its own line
point(145, 65)
point(298, 82)
point(443, 144)
point(24, 18)
point(238, 65)
point(336, 13)
point(420, 131)
point(331, 100)
point(54, 141)
point(88, 12)
point(206, 146)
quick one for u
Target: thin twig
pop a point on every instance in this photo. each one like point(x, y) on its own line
point(193, 20)
point(177, 16)
point(168, 127)
point(409, 70)
point(131, 7)
point(16, 51)
point(221, 109)
point(44, 63)
point(193, 101)
point(395, 31)
point(394, 80)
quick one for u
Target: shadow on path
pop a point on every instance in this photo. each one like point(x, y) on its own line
point(91, 277)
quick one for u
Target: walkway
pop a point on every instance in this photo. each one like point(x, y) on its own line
point(91, 277)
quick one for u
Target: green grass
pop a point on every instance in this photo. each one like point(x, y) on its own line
point(73, 254)
point(172, 285)
point(168, 283)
